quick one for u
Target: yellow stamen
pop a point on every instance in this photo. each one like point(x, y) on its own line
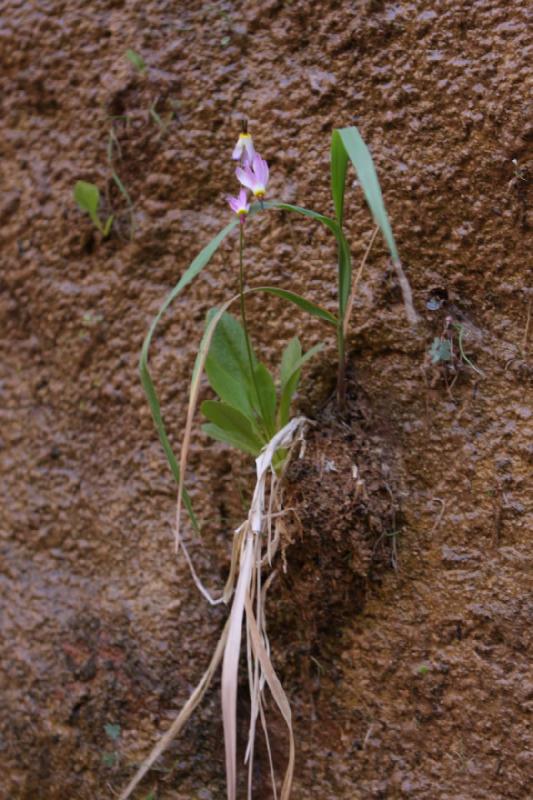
point(245, 135)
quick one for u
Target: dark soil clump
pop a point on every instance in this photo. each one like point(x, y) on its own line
point(343, 523)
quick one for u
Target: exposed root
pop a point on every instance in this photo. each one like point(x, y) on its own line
point(256, 543)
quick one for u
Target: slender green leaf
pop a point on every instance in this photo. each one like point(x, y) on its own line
point(339, 165)
point(287, 393)
point(345, 274)
point(233, 424)
point(298, 364)
point(291, 370)
point(228, 349)
point(201, 260)
point(107, 227)
point(301, 302)
point(291, 356)
point(267, 398)
point(306, 212)
point(360, 157)
point(345, 259)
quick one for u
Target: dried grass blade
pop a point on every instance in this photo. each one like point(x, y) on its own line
point(357, 279)
point(230, 665)
point(277, 693)
point(193, 401)
point(193, 701)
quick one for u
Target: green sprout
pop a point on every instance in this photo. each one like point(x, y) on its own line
point(136, 60)
point(87, 196)
point(440, 351)
point(112, 731)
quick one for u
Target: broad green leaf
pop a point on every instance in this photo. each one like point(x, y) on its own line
point(301, 302)
point(267, 398)
point(87, 197)
point(201, 260)
point(339, 164)
point(221, 435)
point(360, 157)
point(234, 424)
point(136, 60)
point(228, 349)
point(228, 387)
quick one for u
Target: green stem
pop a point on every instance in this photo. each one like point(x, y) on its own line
point(245, 325)
point(341, 369)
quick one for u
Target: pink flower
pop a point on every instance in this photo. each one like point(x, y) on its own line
point(244, 149)
point(240, 204)
point(254, 177)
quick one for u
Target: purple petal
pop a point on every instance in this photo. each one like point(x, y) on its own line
point(249, 148)
point(245, 176)
point(260, 167)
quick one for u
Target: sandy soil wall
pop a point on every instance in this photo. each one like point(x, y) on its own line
point(423, 693)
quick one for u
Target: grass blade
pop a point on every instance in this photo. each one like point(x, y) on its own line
point(301, 302)
point(339, 165)
point(176, 727)
point(360, 157)
point(345, 259)
point(201, 260)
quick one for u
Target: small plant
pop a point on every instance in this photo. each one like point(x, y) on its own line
point(252, 414)
point(136, 60)
point(112, 731)
point(87, 196)
point(448, 348)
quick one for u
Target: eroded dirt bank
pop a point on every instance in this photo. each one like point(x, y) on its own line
point(424, 693)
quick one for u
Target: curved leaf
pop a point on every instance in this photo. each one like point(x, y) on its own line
point(201, 260)
point(339, 165)
point(230, 422)
point(360, 157)
point(345, 259)
point(267, 399)
point(298, 300)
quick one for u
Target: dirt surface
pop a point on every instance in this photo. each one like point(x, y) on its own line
point(424, 691)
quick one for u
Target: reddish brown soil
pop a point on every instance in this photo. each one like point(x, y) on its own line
point(423, 693)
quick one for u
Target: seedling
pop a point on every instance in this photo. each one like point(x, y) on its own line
point(87, 196)
point(448, 349)
point(136, 60)
point(112, 732)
